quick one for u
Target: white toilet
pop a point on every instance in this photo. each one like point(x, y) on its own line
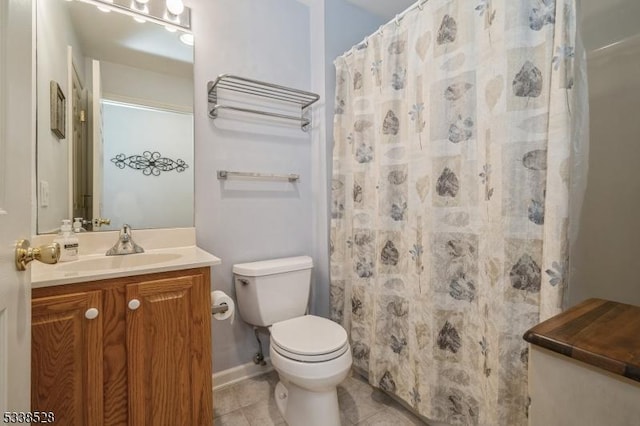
point(311, 354)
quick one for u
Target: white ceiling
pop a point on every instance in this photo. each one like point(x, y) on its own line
point(117, 38)
point(386, 9)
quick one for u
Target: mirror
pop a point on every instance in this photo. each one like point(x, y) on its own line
point(114, 119)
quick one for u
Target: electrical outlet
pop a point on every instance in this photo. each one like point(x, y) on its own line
point(44, 193)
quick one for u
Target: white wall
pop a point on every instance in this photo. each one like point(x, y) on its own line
point(147, 201)
point(54, 34)
point(607, 22)
point(136, 85)
point(605, 256)
point(606, 263)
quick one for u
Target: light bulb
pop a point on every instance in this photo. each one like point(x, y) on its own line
point(170, 17)
point(176, 7)
point(170, 29)
point(140, 7)
point(140, 20)
point(187, 39)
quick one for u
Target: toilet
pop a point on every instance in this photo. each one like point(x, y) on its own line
point(311, 354)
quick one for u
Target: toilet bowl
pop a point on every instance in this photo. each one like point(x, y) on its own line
point(312, 356)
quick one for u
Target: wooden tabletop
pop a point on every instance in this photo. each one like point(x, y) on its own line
point(598, 332)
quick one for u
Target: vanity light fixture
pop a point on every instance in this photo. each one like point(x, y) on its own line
point(170, 17)
point(175, 7)
point(141, 7)
point(187, 38)
point(171, 13)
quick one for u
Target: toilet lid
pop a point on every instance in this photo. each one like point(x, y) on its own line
point(309, 336)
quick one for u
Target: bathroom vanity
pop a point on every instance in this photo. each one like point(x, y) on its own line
point(128, 345)
point(584, 366)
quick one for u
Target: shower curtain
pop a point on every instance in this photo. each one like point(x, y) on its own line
point(453, 157)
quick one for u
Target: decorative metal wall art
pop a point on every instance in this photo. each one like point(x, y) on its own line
point(151, 163)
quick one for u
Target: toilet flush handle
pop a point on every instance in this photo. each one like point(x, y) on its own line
point(243, 281)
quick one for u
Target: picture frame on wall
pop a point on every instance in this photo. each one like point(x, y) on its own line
point(58, 110)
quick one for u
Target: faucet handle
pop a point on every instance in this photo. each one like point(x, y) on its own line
point(125, 244)
point(99, 221)
point(125, 232)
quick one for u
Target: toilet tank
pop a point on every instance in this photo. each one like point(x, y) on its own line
point(274, 290)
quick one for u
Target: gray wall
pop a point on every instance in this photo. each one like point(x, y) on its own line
point(247, 221)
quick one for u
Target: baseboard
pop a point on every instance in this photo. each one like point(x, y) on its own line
point(233, 375)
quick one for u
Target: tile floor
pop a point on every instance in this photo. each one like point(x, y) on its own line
point(252, 403)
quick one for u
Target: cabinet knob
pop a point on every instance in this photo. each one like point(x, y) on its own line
point(92, 313)
point(134, 304)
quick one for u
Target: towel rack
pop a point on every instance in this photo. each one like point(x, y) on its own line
point(224, 174)
point(247, 86)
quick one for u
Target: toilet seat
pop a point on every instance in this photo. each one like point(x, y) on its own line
point(309, 339)
point(309, 358)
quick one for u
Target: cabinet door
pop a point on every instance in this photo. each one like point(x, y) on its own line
point(66, 357)
point(169, 352)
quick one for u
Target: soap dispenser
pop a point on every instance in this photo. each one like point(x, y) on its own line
point(68, 242)
point(77, 225)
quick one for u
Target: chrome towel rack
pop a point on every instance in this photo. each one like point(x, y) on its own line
point(261, 89)
point(224, 174)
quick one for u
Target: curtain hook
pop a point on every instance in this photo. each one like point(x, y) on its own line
point(380, 30)
point(421, 4)
point(397, 20)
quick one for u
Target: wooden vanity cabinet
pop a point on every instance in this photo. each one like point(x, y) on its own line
point(151, 343)
point(66, 357)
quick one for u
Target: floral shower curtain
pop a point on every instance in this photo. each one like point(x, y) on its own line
point(451, 176)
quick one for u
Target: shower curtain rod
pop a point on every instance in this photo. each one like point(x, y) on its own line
point(419, 5)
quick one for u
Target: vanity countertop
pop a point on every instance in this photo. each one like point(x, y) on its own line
point(598, 332)
point(95, 267)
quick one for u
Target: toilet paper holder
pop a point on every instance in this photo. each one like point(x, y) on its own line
point(219, 309)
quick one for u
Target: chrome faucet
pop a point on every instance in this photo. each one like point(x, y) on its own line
point(125, 244)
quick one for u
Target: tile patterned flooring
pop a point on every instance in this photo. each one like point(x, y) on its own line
point(252, 403)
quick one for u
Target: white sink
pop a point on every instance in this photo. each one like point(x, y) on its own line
point(117, 262)
point(92, 267)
